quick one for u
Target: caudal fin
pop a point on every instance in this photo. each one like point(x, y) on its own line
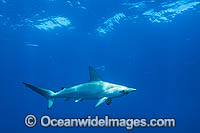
point(44, 92)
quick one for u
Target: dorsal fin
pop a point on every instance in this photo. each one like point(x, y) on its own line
point(93, 74)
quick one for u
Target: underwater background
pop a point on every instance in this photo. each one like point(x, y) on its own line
point(151, 45)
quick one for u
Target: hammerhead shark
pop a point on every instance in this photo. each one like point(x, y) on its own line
point(94, 89)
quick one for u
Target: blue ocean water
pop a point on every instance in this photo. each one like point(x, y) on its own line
point(152, 46)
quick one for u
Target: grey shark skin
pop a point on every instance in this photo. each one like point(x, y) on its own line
point(94, 89)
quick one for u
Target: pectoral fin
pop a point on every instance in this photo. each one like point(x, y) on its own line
point(101, 101)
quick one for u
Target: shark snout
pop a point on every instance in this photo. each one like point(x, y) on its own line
point(130, 90)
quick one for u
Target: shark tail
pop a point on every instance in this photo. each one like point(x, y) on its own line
point(44, 92)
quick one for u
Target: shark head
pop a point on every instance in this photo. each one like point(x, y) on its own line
point(119, 90)
point(125, 90)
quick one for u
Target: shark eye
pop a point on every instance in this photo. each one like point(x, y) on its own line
point(123, 91)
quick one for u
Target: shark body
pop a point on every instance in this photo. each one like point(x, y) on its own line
point(94, 89)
